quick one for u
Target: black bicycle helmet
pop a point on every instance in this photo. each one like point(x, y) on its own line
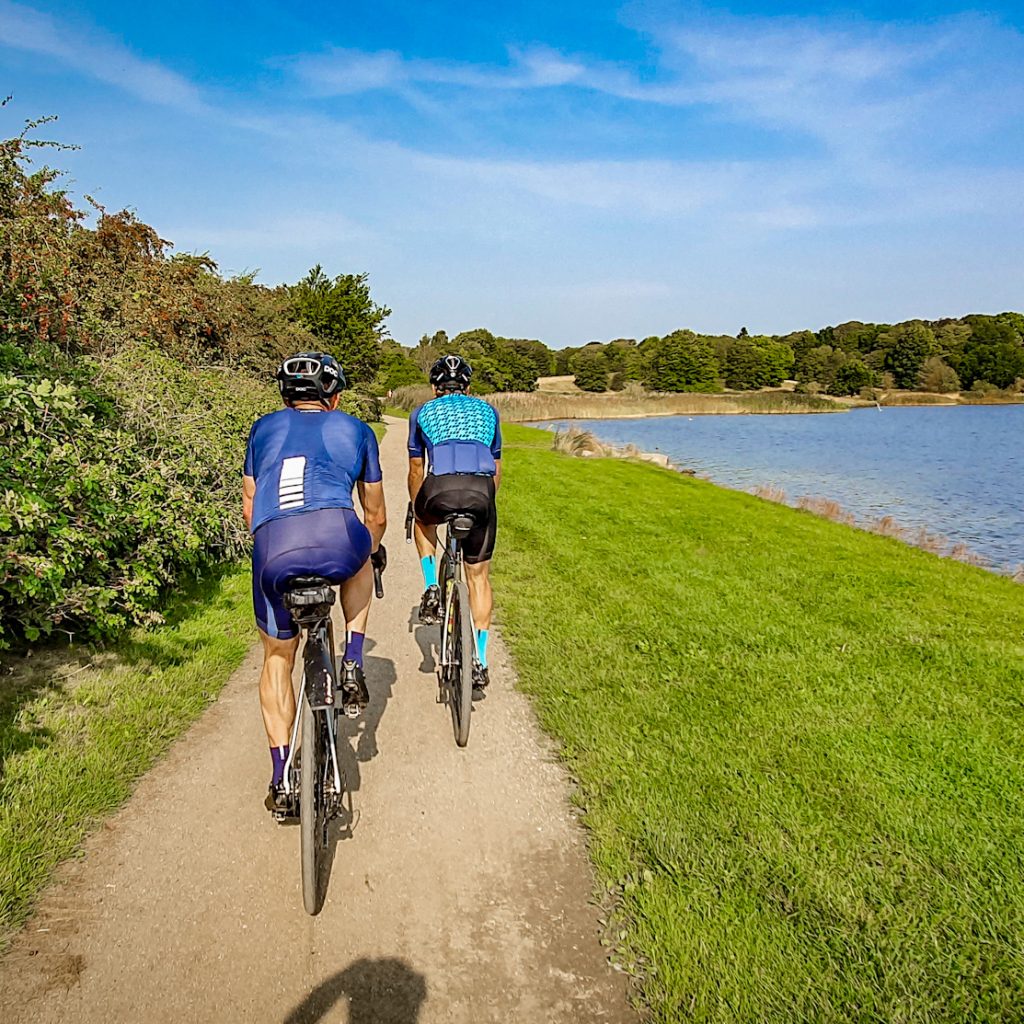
point(451, 373)
point(310, 377)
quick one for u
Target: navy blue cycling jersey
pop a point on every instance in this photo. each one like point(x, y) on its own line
point(459, 433)
point(305, 461)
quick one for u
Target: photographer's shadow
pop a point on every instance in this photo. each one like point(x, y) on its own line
point(383, 991)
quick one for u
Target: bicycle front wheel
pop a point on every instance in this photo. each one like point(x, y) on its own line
point(460, 692)
point(312, 805)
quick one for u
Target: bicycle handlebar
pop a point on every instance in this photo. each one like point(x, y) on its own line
point(410, 519)
point(379, 558)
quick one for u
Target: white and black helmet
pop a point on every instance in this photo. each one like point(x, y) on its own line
point(451, 372)
point(310, 377)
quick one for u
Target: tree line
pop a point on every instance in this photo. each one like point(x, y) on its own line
point(979, 353)
point(976, 352)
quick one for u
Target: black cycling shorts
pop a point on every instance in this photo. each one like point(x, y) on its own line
point(440, 496)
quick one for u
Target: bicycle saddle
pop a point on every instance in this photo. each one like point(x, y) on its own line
point(304, 591)
point(461, 523)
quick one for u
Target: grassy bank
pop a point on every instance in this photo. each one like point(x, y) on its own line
point(78, 728)
point(797, 744)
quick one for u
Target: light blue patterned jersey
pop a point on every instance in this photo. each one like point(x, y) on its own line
point(458, 433)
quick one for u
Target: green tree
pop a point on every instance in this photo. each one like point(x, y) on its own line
point(591, 369)
point(907, 346)
point(757, 362)
point(850, 377)
point(937, 375)
point(820, 365)
point(346, 320)
point(397, 368)
point(682, 361)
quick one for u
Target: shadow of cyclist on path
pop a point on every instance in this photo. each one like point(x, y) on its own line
point(427, 639)
point(380, 679)
point(384, 991)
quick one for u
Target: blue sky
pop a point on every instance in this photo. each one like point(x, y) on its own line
point(571, 171)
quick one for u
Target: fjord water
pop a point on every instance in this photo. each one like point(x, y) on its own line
point(957, 471)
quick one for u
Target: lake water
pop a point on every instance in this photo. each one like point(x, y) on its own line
point(955, 471)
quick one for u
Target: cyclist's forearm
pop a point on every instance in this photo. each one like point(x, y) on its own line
point(415, 478)
point(497, 473)
point(378, 527)
point(375, 517)
point(248, 493)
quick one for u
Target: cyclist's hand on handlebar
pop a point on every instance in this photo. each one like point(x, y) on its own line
point(410, 519)
point(379, 558)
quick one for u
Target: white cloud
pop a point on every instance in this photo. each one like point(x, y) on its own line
point(340, 71)
point(97, 55)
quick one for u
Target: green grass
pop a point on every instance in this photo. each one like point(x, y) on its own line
point(798, 745)
point(78, 728)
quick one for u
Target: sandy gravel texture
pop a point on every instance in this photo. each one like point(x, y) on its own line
point(462, 892)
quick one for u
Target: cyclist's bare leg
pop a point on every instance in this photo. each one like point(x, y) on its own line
point(356, 594)
point(426, 539)
point(481, 600)
point(277, 697)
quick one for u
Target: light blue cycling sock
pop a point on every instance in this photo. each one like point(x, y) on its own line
point(481, 647)
point(429, 567)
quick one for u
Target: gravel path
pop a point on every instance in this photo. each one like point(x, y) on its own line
point(462, 893)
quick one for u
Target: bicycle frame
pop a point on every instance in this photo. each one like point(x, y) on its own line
point(321, 634)
point(453, 555)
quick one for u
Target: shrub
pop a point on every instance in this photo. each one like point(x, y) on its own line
point(118, 481)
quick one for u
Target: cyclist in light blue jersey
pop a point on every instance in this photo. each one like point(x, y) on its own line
point(301, 466)
point(455, 466)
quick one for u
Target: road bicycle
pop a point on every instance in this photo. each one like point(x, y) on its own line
point(315, 785)
point(457, 648)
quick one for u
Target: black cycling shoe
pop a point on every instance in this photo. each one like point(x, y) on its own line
point(278, 802)
point(481, 680)
point(430, 606)
point(354, 694)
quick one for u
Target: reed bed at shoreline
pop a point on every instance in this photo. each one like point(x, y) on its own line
point(535, 406)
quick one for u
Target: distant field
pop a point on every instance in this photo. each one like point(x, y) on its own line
point(797, 745)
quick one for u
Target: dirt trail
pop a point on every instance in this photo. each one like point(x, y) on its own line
point(461, 895)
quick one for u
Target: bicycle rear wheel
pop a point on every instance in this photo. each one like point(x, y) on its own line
point(313, 763)
point(460, 670)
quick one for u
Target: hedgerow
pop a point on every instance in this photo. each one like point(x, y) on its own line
point(116, 482)
point(129, 379)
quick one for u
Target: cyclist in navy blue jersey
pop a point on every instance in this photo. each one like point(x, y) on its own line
point(455, 466)
point(301, 466)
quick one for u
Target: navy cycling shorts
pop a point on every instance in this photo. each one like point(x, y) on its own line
point(329, 542)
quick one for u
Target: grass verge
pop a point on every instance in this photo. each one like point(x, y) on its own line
point(77, 729)
point(797, 744)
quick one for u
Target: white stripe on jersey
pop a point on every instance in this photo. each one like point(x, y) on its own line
point(291, 488)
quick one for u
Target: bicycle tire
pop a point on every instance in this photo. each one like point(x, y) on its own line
point(312, 806)
point(461, 686)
